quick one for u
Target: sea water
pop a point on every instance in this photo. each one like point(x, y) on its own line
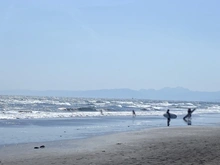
point(25, 119)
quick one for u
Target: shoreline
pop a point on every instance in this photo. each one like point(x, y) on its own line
point(41, 130)
point(164, 145)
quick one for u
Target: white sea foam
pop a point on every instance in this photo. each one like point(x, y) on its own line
point(15, 107)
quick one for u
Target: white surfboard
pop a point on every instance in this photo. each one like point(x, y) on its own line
point(172, 116)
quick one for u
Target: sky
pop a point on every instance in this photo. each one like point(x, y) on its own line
point(108, 44)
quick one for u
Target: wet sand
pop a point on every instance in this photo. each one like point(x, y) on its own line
point(169, 145)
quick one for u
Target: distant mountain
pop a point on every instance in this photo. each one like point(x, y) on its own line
point(177, 93)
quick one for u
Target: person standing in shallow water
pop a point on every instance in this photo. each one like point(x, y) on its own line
point(189, 113)
point(168, 118)
point(133, 113)
point(101, 112)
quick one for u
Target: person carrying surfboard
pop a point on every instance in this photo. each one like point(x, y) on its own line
point(168, 118)
point(189, 113)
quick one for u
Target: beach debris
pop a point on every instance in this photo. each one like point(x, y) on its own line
point(42, 146)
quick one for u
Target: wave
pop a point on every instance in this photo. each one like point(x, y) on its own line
point(20, 107)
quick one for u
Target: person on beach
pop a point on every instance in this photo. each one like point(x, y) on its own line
point(189, 114)
point(168, 118)
point(101, 111)
point(133, 113)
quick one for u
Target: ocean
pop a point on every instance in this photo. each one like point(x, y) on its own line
point(25, 119)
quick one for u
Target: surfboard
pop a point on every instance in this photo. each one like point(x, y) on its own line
point(188, 117)
point(172, 116)
point(188, 121)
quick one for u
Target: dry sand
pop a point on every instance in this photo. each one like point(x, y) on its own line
point(159, 146)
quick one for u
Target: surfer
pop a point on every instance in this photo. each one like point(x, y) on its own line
point(189, 113)
point(133, 113)
point(101, 112)
point(168, 118)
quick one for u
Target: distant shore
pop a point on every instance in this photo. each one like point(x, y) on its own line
point(167, 93)
point(166, 145)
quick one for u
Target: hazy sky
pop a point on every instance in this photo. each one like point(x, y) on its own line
point(105, 44)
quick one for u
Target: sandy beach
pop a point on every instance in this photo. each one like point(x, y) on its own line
point(168, 145)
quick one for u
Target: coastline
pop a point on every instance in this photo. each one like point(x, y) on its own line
point(164, 145)
point(41, 130)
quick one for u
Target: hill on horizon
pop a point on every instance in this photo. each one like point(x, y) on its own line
point(167, 93)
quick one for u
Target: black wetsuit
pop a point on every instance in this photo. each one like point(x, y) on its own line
point(168, 119)
point(189, 113)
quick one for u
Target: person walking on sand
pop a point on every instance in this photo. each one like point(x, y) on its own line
point(168, 118)
point(189, 113)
